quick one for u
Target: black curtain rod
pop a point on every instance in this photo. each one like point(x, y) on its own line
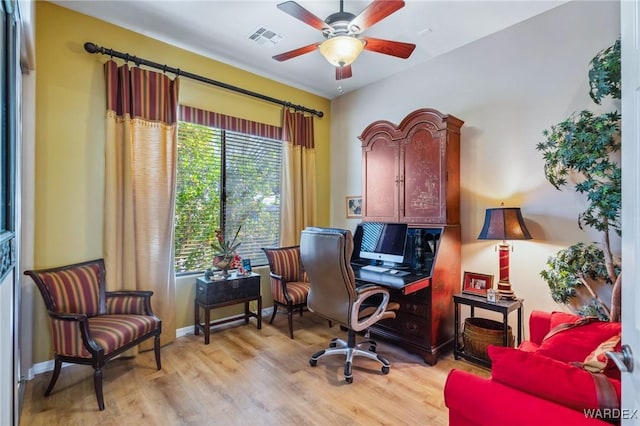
point(93, 48)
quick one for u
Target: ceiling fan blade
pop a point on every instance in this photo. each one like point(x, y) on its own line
point(343, 72)
point(376, 12)
point(388, 47)
point(294, 9)
point(296, 52)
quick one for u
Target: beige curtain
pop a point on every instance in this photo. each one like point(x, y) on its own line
point(140, 175)
point(298, 195)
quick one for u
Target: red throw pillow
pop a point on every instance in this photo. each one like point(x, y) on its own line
point(574, 344)
point(558, 318)
point(546, 378)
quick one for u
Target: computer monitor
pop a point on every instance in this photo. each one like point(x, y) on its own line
point(384, 242)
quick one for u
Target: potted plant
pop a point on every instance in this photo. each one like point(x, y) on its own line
point(226, 257)
point(583, 150)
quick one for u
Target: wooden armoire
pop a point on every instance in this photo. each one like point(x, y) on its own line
point(411, 174)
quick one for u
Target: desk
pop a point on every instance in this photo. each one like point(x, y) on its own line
point(212, 294)
point(424, 320)
point(503, 306)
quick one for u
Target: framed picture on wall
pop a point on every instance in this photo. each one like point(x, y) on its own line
point(354, 206)
point(478, 284)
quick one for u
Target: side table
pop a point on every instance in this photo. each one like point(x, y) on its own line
point(212, 294)
point(503, 306)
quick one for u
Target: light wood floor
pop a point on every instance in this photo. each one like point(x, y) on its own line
point(247, 376)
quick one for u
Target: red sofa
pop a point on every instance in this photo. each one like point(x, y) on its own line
point(536, 384)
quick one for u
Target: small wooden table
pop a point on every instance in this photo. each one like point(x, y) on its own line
point(503, 306)
point(212, 294)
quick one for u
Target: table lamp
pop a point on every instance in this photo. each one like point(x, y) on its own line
point(504, 223)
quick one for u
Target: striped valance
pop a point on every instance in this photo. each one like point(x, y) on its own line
point(226, 122)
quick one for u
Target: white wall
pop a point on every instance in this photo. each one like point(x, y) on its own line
point(508, 88)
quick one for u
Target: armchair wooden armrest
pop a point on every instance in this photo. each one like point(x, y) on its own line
point(276, 276)
point(64, 327)
point(283, 285)
point(68, 317)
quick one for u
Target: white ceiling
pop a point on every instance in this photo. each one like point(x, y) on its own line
point(221, 29)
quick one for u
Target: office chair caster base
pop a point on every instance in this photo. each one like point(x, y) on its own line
point(313, 361)
point(382, 360)
point(351, 349)
point(348, 377)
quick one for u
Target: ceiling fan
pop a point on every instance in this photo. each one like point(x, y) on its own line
point(342, 32)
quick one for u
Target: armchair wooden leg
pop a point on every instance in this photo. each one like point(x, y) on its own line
point(56, 372)
point(156, 349)
point(275, 311)
point(97, 383)
point(290, 318)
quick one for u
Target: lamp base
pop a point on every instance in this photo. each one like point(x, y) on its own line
point(505, 291)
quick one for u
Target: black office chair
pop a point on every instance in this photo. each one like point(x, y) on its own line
point(326, 255)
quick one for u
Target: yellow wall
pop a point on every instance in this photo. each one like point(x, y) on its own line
point(70, 111)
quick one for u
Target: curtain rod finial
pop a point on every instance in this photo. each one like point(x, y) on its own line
point(91, 47)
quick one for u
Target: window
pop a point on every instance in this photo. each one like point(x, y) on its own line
point(9, 119)
point(225, 180)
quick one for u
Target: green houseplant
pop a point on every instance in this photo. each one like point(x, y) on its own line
point(226, 257)
point(583, 150)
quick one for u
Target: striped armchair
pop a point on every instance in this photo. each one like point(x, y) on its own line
point(89, 324)
point(289, 282)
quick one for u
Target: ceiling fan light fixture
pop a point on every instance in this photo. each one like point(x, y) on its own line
point(342, 50)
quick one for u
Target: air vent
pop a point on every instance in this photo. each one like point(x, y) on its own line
point(265, 37)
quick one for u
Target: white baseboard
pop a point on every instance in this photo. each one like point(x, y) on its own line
point(46, 366)
point(184, 331)
point(41, 367)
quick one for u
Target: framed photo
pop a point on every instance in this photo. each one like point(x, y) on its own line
point(354, 207)
point(246, 264)
point(478, 284)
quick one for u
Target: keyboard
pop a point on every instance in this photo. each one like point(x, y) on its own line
point(375, 268)
point(381, 279)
